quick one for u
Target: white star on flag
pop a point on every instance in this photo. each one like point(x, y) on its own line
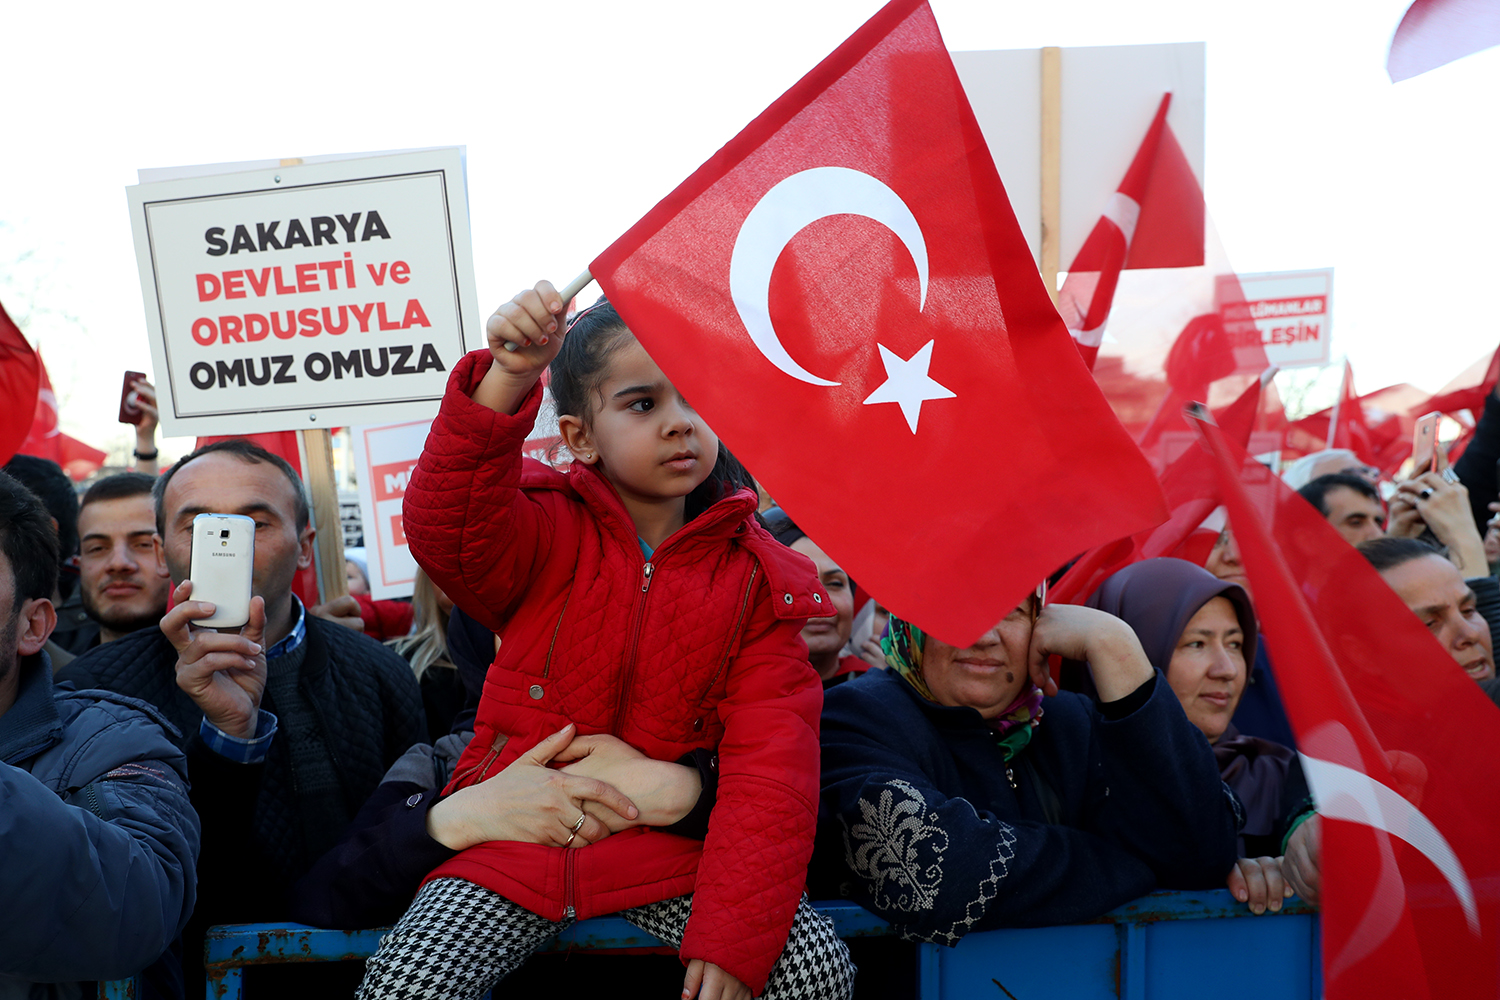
point(907, 383)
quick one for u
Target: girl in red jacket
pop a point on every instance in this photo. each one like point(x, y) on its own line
point(635, 595)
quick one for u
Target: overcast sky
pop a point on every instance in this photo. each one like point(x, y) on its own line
point(579, 116)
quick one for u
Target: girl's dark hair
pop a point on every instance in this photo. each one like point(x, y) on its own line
point(583, 360)
point(580, 368)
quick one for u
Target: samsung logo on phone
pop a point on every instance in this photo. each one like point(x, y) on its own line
point(225, 555)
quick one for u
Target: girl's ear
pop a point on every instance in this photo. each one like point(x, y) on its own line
point(579, 442)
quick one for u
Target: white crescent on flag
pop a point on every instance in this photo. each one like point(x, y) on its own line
point(783, 212)
point(1344, 793)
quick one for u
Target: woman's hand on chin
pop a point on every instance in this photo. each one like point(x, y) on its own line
point(1108, 645)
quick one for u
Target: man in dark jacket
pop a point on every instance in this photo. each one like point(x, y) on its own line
point(97, 838)
point(288, 723)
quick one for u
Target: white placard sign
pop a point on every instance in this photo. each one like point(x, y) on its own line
point(383, 459)
point(1288, 313)
point(1109, 95)
point(316, 295)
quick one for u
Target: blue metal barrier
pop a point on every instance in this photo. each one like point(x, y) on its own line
point(1165, 945)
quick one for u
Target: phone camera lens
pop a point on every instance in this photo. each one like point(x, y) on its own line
point(224, 533)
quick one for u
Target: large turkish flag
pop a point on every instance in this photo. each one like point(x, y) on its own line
point(1396, 743)
point(843, 292)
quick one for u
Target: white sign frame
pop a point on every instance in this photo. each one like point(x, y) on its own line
point(1283, 332)
point(425, 188)
point(1110, 93)
point(378, 449)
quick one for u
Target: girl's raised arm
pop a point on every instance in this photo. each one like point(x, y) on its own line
point(524, 336)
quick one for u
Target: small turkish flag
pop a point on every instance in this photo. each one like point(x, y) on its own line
point(843, 292)
point(1154, 219)
point(1394, 740)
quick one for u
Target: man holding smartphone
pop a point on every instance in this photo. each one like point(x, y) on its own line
point(289, 722)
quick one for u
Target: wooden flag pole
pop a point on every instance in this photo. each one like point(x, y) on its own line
point(1051, 167)
point(328, 543)
point(322, 488)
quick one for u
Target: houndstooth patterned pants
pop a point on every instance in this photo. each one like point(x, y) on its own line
point(458, 939)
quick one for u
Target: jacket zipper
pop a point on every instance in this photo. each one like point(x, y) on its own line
point(547, 667)
point(483, 766)
point(632, 648)
point(568, 911)
point(95, 806)
point(733, 636)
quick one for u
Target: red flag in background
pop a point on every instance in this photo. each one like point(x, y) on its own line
point(20, 372)
point(1346, 425)
point(1192, 494)
point(47, 440)
point(1435, 32)
point(1154, 219)
point(845, 295)
point(1387, 417)
point(43, 439)
point(1387, 726)
point(78, 459)
point(1467, 390)
point(1177, 336)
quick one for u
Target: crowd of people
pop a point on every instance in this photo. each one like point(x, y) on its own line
point(627, 687)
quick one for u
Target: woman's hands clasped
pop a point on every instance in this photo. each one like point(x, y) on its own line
point(532, 803)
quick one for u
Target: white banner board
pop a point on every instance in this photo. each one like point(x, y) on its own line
point(316, 295)
point(1288, 313)
point(384, 456)
point(1109, 96)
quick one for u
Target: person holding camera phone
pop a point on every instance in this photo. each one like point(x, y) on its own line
point(138, 407)
point(288, 721)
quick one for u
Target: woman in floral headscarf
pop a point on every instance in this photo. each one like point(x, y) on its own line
point(957, 796)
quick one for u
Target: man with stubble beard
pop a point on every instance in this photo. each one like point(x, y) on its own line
point(121, 584)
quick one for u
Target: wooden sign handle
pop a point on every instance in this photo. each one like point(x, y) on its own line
point(1051, 167)
point(328, 543)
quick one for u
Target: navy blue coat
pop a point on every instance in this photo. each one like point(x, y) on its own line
point(934, 839)
point(98, 840)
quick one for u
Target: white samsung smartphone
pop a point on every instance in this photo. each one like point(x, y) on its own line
point(222, 567)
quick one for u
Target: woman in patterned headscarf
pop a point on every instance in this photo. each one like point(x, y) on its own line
point(961, 792)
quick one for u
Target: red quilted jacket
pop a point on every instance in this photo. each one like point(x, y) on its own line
point(697, 648)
